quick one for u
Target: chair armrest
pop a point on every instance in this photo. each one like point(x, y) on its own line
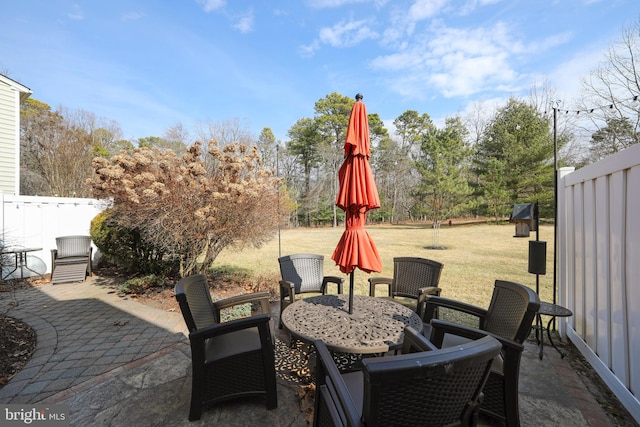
point(287, 288)
point(415, 342)
point(375, 281)
point(261, 297)
point(440, 327)
point(332, 279)
point(428, 290)
point(432, 302)
point(198, 339)
point(231, 326)
point(54, 256)
point(326, 367)
point(423, 293)
point(90, 259)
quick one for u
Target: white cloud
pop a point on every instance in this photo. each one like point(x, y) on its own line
point(461, 62)
point(211, 5)
point(132, 16)
point(409, 59)
point(245, 23)
point(567, 77)
point(76, 14)
point(307, 50)
point(549, 42)
point(323, 4)
point(347, 34)
point(342, 35)
point(403, 22)
point(463, 75)
point(472, 5)
point(474, 42)
point(424, 9)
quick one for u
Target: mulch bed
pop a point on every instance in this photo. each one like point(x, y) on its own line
point(18, 344)
point(17, 339)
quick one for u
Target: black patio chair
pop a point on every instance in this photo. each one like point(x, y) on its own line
point(229, 359)
point(413, 279)
point(509, 318)
point(434, 388)
point(303, 273)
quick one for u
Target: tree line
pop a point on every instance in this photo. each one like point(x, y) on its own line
point(478, 164)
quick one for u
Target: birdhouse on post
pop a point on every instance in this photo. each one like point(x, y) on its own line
point(524, 218)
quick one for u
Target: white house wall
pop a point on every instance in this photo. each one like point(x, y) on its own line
point(9, 134)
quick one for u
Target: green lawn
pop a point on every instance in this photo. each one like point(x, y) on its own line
point(474, 256)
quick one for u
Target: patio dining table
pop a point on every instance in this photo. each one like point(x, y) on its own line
point(376, 325)
point(20, 260)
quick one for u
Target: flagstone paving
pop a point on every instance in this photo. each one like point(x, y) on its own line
point(117, 362)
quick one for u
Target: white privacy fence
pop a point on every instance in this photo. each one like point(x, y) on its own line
point(35, 222)
point(599, 268)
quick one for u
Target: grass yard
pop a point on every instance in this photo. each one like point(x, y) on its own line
point(474, 256)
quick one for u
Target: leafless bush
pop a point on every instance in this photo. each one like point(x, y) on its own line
point(195, 205)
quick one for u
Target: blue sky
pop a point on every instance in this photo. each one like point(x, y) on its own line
point(149, 65)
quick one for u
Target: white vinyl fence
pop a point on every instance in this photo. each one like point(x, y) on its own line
point(35, 222)
point(599, 268)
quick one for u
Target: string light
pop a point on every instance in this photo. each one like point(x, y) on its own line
point(592, 109)
point(555, 181)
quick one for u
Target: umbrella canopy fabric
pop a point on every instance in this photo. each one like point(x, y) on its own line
point(357, 194)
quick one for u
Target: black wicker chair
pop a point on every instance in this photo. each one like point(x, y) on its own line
point(413, 279)
point(303, 273)
point(435, 388)
point(229, 359)
point(509, 318)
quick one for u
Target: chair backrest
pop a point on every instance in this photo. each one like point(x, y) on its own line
point(410, 274)
point(433, 387)
point(68, 246)
point(511, 312)
point(305, 271)
point(195, 302)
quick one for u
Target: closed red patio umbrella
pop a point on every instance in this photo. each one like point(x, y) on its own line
point(357, 194)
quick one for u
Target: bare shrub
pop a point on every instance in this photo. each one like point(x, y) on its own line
point(195, 205)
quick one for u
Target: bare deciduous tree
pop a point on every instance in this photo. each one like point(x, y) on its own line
point(55, 152)
point(614, 89)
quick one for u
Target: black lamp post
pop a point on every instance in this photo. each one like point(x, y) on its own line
point(537, 251)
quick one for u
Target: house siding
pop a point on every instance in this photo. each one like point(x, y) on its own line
point(9, 134)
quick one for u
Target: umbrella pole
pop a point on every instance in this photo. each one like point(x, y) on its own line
point(351, 292)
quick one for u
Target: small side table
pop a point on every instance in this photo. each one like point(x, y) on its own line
point(552, 310)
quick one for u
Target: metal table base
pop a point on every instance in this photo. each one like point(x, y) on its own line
point(553, 311)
